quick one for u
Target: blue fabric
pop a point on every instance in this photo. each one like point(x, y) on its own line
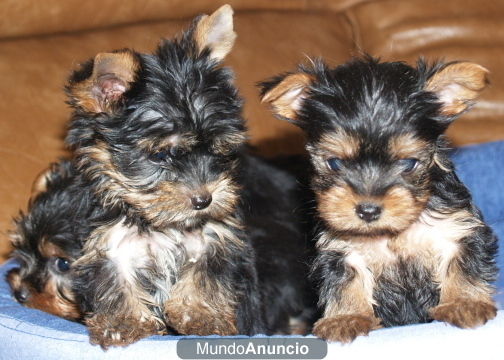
point(32, 334)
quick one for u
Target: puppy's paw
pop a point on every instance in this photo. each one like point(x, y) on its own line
point(345, 328)
point(465, 313)
point(198, 319)
point(109, 331)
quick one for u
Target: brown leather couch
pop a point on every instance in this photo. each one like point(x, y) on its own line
point(40, 41)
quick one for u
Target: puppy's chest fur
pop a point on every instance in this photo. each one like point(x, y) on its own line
point(404, 273)
point(149, 264)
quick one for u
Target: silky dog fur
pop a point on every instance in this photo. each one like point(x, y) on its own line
point(160, 140)
point(401, 240)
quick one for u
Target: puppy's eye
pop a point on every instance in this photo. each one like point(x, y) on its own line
point(176, 151)
point(159, 156)
point(334, 164)
point(408, 165)
point(62, 264)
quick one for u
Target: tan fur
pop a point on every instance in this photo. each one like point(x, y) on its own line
point(215, 32)
point(407, 146)
point(193, 292)
point(298, 326)
point(401, 208)
point(338, 144)
point(48, 249)
point(49, 299)
point(286, 98)
point(169, 203)
point(440, 163)
point(337, 207)
point(182, 141)
point(174, 200)
point(225, 144)
point(122, 65)
point(128, 250)
point(352, 314)
point(119, 331)
point(40, 183)
point(457, 85)
point(463, 303)
point(436, 236)
point(119, 244)
point(200, 306)
point(455, 286)
point(433, 240)
point(465, 313)
point(345, 328)
point(358, 295)
point(14, 279)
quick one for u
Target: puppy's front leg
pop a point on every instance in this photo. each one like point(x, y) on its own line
point(217, 293)
point(466, 291)
point(346, 294)
point(107, 281)
point(115, 316)
point(200, 305)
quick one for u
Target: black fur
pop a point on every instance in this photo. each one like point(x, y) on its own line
point(179, 91)
point(60, 215)
point(373, 102)
point(405, 294)
point(278, 225)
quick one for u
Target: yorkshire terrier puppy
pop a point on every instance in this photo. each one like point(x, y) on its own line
point(401, 240)
point(49, 238)
point(160, 140)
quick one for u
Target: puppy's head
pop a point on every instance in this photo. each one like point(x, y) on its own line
point(375, 135)
point(46, 241)
point(161, 133)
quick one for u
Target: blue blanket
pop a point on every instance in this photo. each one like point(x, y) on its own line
point(32, 334)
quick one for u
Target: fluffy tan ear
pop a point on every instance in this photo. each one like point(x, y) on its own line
point(112, 75)
point(457, 85)
point(286, 98)
point(40, 184)
point(215, 32)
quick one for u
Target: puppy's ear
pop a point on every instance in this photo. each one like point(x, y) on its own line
point(40, 184)
point(457, 85)
point(215, 32)
point(57, 175)
point(285, 94)
point(99, 86)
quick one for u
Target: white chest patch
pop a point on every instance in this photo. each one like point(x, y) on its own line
point(149, 264)
point(195, 245)
point(433, 239)
point(132, 251)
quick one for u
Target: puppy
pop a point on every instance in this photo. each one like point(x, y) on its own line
point(160, 140)
point(48, 239)
point(401, 241)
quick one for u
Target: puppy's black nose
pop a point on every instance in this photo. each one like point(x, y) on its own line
point(22, 295)
point(368, 212)
point(201, 202)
